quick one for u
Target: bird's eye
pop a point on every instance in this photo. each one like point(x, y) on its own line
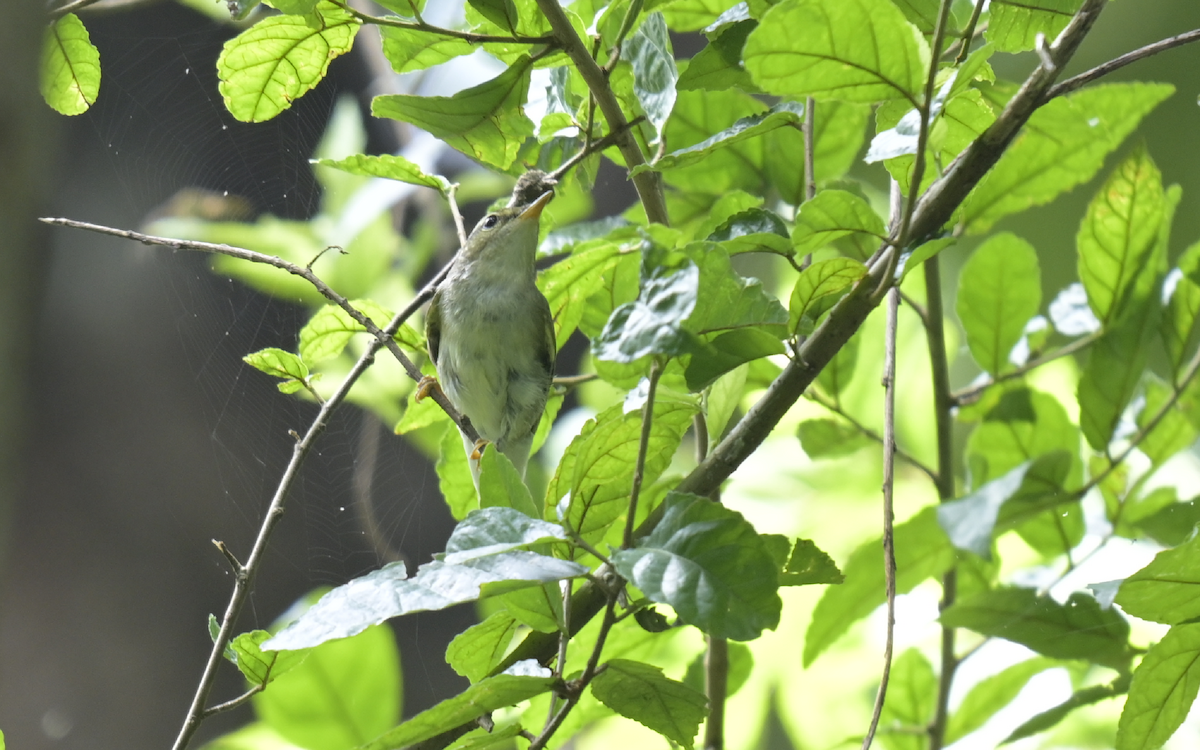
point(490, 221)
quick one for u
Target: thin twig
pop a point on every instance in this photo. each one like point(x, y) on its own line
point(964, 41)
point(592, 147)
point(242, 583)
point(943, 405)
point(972, 393)
point(1117, 63)
point(716, 658)
point(579, 685)
point(241, 700)
point(639, 469)
point(459, 227)
point(573, 381)
point(307, 274)
point(648, 184)
point(866, 431)
point(889, 466)
point(925, 108)
point(72, 7)
point(467, 36)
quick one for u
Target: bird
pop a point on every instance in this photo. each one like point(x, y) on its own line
point(489, 329)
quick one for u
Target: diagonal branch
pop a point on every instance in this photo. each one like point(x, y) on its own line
point(1117, 63)
point(382, 336)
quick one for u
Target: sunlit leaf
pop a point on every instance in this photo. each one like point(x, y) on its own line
point(343, 693)
point(1168, 589)
point(709, 565)
point(70, 67)
point(481, 698)
point(809, 564)
point(1118, 236)
point(1062, 145)
point(1078, 629)
point(819, 288)
point(281, 58)
point(833, 214)
point(1014, 25)
point(486, 122)
point(1163, 689)
point(478, 649)
point(652, 324)
point(641, 692)
point(991, 694)
point(854, 50)
point(654, 73)
point(999, 290)
point(1113, 371)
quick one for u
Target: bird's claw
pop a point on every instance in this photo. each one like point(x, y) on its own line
point(425, 387)
point(477, 451)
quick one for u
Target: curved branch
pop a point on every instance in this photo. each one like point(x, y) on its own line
point(648, 184)
point(1117, 63)
point(382, 337)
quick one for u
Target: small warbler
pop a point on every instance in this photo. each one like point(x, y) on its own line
point(490, 332)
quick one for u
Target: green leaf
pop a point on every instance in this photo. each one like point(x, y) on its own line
point(854, 50)
point(411, 49)
point(753, 230)
point(836, 376)
point(70, 67)
point(501, 486)
point(293, 7)
point(481, 698)
point(912, 692)
point(1062, 145)
point(1085, 697)
point(648, 50)
point(539, 607)
point(726, 300)
point(486, 122)
point(281, 58)
point(261, 668)
point(478, 649)
point(1079, 629)
point(1172, 524)
point(922, 551)
point(331, 328)
point(708, 563)
point(503, 13)
point(390, 166)
point(568, 284)
point(1162, 691)
point(751, 126)
point(991, 694)
point(1113, 370)
point(819, 288)
point(827, 437)
point(719, 163)
point(1182, 292)
point(641, 692)
point(1118, 236)
point(694, 15)
point(387, 592)
point(454, 474)
point(1173, 433)
point(710, 360)
point(1168, 589)
point(280, 364)
point(597, 467)
point(342, 695)
point(808, 565)
point(494, 529)
point(1014, 25)
point(652, 324)
point(719, 65)
point(833, 214)
point(838, 131)
point(969, 521)
point(999, 290)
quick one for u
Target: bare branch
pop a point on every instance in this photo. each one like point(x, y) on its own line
point(1117, 63)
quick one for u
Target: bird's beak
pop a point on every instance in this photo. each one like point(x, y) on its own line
point(533, 211)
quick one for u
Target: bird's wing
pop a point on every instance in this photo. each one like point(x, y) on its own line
point(547, 352)
point(433, 326)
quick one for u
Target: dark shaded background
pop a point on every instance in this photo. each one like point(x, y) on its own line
point(130, 432)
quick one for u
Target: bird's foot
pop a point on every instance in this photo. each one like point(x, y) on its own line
point(425, 387)
point(477, 451)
